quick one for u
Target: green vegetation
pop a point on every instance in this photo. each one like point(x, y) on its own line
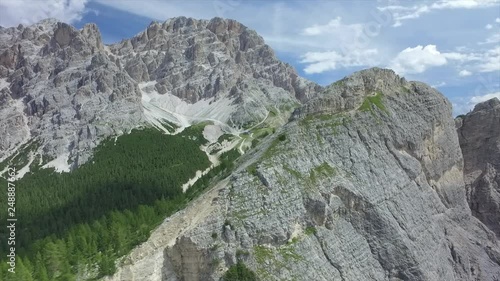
point(225, 137)
point(273, 148)
point(239, 272)
point(373, 100)
point(20, 159)
point(292, 172)
point(275, 259)
point(325, 120)
point(310, 230)
point(322, 170)
point(241, 253)
point(406, 90)
point(262, 253)
point(252, 169)
point(82, 221)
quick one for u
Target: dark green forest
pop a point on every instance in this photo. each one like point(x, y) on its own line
point(79, 223)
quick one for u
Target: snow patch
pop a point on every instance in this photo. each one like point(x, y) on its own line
point(60, 164)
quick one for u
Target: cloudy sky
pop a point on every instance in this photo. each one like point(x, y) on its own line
point(453, 45)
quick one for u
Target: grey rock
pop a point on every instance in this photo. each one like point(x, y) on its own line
point(64, 87)
point(350, 194)
point(479, 136)
point(366, 184)
point(76, 91)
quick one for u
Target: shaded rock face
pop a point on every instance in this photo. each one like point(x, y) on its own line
point(353, 192)
point(479, 135)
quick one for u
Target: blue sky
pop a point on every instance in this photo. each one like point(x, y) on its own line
point(453, 45)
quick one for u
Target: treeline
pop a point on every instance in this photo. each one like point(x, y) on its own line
point(79, 223)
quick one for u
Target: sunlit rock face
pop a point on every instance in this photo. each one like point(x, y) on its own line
point(364, 183)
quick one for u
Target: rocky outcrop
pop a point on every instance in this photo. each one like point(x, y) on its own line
point(365, 181)
point(479, 136)
point(71, 91)
point(371, 189)
point(208, 58)
point(66, 92)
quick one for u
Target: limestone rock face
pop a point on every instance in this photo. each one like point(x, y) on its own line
point(369, 187)
point(70, 91)
point(479, 136)
point(63, 91)
point(362, 180)
point(212, 60)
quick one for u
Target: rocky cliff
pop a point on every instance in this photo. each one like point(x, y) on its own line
point(360, 180)
point(64, 88)
point(59, 87)
point(479, 136)
point(364, 183)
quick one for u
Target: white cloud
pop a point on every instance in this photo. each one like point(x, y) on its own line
point(488, 26)
point(464, 73)
point(14, 12)
point(440, 84)
point(464, 4)
point(490, 60)
point(462, 105)
point(402, 13)
point(497, 20)
point(348, 46)
point(163, 10)
point(417, 60)
point(324, 61)
point(494, 38)
point(478, 99)
point(335, 27)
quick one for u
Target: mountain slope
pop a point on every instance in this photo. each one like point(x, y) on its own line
point(360, 180)
point(479, 137)
point(67, 94)
point(63, 87)
point(368, 187)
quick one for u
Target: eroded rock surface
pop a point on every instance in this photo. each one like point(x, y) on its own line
point(67, 90)
point(371, 189)
point(63, 91)
point(479, 134)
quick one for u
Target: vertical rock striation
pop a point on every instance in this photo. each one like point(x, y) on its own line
point(479, 136)
point(364, 183)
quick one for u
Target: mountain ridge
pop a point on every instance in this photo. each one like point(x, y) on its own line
point(75, 63)
point(359, 180)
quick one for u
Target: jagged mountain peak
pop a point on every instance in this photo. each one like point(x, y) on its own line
point(479, 136)
point(364, 182)
point(181, 71)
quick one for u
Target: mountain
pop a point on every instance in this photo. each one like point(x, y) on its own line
point(369, 178)
point(63, 87)
point(364, 183)
point(480, 142)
